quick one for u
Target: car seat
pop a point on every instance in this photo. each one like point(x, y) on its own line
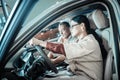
point(99, 22)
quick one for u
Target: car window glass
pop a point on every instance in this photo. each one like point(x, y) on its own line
point(39, 10)
point(8, 5)
point(2, 20)
point(50, 33)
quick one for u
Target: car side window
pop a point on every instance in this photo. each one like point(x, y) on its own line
point(50, 33)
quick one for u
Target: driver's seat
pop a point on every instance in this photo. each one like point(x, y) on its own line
point(100, 21)
point(108, 66)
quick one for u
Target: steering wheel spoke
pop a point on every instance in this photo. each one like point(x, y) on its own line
point(48, 61)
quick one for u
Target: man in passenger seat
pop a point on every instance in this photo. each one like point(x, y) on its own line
point(64, 30)
point(83, 54)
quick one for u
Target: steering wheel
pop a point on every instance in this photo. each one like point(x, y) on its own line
point(48, 61)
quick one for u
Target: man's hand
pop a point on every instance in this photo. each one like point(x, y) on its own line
point(35, 41)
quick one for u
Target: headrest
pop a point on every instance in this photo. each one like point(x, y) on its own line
point(92, 24)
point(99, 19)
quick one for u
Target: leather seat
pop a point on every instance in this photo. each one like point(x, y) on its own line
point(99, 22)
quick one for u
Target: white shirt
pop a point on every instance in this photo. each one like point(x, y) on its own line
point(84, 56)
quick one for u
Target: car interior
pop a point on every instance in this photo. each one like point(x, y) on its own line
point(99, 19)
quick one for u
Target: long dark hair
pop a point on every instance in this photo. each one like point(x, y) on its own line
point(82, 19)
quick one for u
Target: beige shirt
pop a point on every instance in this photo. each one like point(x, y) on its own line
point(84, 57)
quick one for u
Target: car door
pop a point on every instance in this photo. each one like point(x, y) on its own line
point(13, 26)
